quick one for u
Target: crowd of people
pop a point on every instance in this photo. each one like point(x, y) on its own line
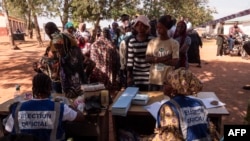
point(119, 56)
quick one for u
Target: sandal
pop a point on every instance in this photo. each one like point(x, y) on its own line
point(246, 87)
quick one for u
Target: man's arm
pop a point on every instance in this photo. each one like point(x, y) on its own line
point(72, 114)
point(240, 31)
point(79, 116)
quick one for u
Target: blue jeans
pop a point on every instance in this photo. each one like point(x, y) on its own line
point(231, 43)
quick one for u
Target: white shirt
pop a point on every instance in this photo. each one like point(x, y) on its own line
point(171, 31)
point(189, 25)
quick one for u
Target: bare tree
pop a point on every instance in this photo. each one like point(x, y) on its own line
point(9, 28)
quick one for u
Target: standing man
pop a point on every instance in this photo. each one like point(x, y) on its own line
point(137, 67)
point(220, 38)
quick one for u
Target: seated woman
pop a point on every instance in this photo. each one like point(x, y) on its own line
point(182, 117)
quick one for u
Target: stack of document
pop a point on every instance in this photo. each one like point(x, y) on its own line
point(140, 99)
point(92, 87)
point(123, 103)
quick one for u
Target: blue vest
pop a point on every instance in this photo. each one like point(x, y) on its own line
point(192, 117)
point(39, 118)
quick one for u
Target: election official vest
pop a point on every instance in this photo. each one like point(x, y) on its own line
point(41, 118)
point(192, 117)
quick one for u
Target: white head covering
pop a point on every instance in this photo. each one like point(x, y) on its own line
point(143, 19)
point(85, 34)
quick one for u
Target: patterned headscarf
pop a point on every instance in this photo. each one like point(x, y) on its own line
point(184, 82)
point(69, 25)
point(57, 38)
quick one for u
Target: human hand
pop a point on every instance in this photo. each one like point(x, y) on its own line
point(73, 107)
point(129, 81)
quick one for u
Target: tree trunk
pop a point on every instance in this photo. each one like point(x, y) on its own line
point(37, 31)
point(9, 28)
point(65, 15)
point(94, 33)
point(29, 24)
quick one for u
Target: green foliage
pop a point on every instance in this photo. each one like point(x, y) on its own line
point(16, 8)
point(91, 10)
point(94, 10)
point(196, 10)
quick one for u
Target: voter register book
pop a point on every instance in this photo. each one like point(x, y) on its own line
point(123, 103)
point(140, 99)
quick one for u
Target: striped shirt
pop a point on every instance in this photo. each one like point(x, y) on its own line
point(136, 60)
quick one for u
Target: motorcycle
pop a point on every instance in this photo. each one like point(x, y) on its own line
point(238, 43)
point(238, 46)
point(243, 53)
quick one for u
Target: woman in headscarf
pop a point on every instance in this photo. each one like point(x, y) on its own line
point(70, 58)
point(70, 30)
point(103, 52)
point(185, 41)
point(83, 30)
point(182, 114)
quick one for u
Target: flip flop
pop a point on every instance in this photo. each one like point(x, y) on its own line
point(246, 87)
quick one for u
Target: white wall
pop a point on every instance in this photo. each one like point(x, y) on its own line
point(3, 21)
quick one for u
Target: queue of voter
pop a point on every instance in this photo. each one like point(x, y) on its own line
point(118, 59)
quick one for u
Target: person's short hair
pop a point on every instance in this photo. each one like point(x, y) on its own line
point(167, 21)
point(124, 17)
point(41, 84)
point(51, 26)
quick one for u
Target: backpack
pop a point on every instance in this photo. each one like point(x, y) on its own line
point(93, 104)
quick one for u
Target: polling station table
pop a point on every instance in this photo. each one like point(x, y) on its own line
point(141, 121)
point(96, 125)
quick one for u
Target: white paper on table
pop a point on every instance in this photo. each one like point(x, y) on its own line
point(154, 108)
point(207, 102)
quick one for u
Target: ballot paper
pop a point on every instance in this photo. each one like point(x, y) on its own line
point(155, 107)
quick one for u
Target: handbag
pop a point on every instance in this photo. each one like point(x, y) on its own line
point(93, 104)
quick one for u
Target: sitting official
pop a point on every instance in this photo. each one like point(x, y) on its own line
point(40, 116)
point(182, 117)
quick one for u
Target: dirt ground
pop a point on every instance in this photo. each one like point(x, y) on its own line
point(225, 75)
